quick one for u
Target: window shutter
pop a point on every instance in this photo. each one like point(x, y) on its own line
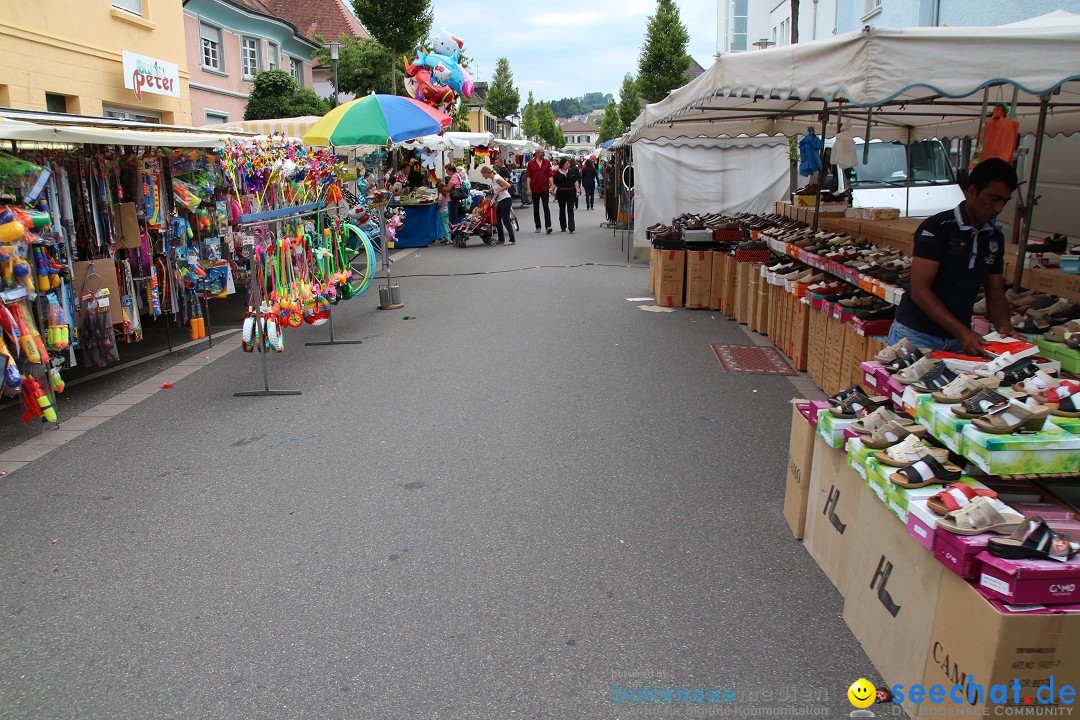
point(132, 6)
point(207, 32)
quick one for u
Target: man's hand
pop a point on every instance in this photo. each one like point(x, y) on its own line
point(972, 343)
point(1006, 330)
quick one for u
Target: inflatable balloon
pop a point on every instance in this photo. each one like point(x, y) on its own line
point(444, 43)
point(444, 71)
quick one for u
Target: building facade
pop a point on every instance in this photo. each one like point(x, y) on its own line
point(120, 59)
point(228, 42)
point(580, 137)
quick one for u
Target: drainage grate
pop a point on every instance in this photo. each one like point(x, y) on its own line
point(752, 359)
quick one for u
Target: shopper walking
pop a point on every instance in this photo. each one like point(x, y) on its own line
point(457, 193)
point(500, 167)
point(575, 173)
point(444, 212)
point(588, 182)
point(538, 173)
point(500, 188)
point(566, 190)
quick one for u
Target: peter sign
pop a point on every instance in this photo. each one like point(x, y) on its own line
point(147, 74)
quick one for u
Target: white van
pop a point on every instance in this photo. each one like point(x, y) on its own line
point(918, 178)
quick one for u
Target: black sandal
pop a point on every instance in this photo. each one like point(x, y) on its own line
point(980, 403)
point(858, 405)
point(937, 378)
point(1034, 539)
point(905, 362)
point(1019, 371)
point(925, 471)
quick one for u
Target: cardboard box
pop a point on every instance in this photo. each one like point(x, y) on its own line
point(742, 297)
point(731, 285)
point(854, 350)
point(800, 462)
point(699, 278)
point(764, 307)
point(753, 280)
point(670, 279)
point(800, 332)
point(835, 334)
point(959, 553)
point(832, 508)
point(892, 593)
point(126, 224)
point(977, 642)
point(1030, 581)
point(104, 277)
point(654, 268)
point(1053, 282)
point(719, 261)
point(815, 363)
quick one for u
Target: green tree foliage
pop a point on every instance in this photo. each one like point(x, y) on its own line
point(566, 107)
point(502, 97)
point(663, 64)
point(547, 123)
point(276, 94)
point(612, 126)
point(559, 142)
point(530, 120)
point(595, 100)
point(362, 67)
point(399, 25)
point(629, 101)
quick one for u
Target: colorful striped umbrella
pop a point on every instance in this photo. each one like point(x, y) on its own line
point(373, 120)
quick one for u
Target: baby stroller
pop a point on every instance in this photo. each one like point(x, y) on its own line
point(480, 222)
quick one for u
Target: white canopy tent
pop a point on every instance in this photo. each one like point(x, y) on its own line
point(920, 83)
point(293, 127)
point(24, 131)
point(453, 141)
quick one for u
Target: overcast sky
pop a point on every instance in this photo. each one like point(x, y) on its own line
point(566, 48)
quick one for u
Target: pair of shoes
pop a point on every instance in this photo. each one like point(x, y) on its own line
point(562, 230)
point(571, 232)
point(513, 242)
point(549, 231)
point(537, 231)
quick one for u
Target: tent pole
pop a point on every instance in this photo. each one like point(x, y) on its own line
point(978, 133)
point(1029, 205)
point(821, 173)
point(866, 138)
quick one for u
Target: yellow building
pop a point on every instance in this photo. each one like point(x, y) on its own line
point(121, 59)
point(480, 120)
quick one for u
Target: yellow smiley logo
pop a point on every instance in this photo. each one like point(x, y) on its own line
point(862, 694)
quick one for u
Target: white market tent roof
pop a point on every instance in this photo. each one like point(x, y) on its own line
point(293, 127)
point(25, 131)
point(450, 141)
point(920, 82)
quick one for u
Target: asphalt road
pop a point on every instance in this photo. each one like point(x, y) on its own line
point(524, 499)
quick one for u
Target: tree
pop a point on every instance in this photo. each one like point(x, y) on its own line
point(629, 101)
point(559, 142)
point(530, 121)
point(794, 21)
point(502, 97)
point(398, 26)
point(361, 65)
point(566, 107)
point(276, 94)
point(546, 118)
point(611, 127)
point(663, 64)
point(595, 100)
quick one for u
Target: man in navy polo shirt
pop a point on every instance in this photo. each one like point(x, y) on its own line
point(955, 253)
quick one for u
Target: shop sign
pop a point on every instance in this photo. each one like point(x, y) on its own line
point(147, 74)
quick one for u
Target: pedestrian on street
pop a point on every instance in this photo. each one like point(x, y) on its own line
point(566, 190)
point(444, 212)
point(575, 172)
point(500, 188)
point(500, 167)
point(538, 173)
point(588, 182)
point(453, 182)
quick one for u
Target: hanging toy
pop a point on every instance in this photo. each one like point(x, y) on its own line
point(56, 381)
point(12, 380)
point(36, 403)
point(29, 339)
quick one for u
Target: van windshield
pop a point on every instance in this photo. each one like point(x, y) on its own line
point(886, 165)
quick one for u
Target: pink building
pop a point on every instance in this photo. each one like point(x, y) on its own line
point(228, 42)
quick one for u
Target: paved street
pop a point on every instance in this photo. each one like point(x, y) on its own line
point(528, 491)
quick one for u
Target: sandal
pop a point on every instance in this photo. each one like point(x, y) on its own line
point(1036, 540)
point(891, 433)
point(898, 350)
point(980, 403)
point(936, 379)
point(962, 388)
point(877, 420)
point(1060, 333)
point(909, 450)
point(845, 394)
point(858, 405)
point(1012, 418)
point(1019, 371)
point(1066, 408)
point(1067, 388)
point(916, 371)
point(925, 471)
point(906, 361)
point(955, 497)
point(1037, 384)
point(981, 515)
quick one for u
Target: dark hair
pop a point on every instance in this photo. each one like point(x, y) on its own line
point(991, 170)
point(564, 161)
point(588, 163)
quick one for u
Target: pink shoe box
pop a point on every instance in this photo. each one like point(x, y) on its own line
point(1058, 515)
point(809, 410)
point(960, 553)
point(981, 325)
point(1030, 609)
point(921, 523)
point(1030, 581)
point(870, 375)
point(890, 388)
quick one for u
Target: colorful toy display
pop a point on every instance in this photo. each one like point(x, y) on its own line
point(436, 76)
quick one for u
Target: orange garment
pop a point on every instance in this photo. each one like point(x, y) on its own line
point(998, 138)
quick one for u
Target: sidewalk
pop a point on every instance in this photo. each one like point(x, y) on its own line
point(527, 492)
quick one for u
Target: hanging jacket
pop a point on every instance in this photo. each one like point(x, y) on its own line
point(999, 138)
point(809, 155)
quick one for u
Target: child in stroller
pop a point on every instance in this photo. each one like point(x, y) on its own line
point(480, 222)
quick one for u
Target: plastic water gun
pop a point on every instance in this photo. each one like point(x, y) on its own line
point(185, 195)
point(11, 379)
point(153, 292)
point(29, 339)
point(48, 271)
point(58, 334)
point(56, 381)
point(31, 218)
point(36, 403)
point(15, 269)
point(10, 228)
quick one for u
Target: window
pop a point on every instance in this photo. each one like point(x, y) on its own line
point(273, 55)
point(737, 21)
point(211, 47)
point(130, 114)
point(56, 103)
point(249, 57)
point(216, 118)
point(784, 35)
point(887, 165)
point(296, 69)
point(871, 7)
point(131, 6)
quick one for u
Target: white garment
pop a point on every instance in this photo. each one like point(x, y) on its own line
point(843, 151)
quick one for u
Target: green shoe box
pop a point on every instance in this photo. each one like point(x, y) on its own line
point(1068, 424)
point(1052, 450)
point(1067, 356)
point(877, 478)
point(859, 456)
point(946, 426)
point(831, 428)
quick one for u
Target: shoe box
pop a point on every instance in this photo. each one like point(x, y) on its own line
point(978, 641)
point(800, 462)
point(671, 278)
point(832, 507)
point(699, 278)
point(1030, 581)
point(763, 306)
point(718, 288)
point(742, 296)
point(892, 592)
point(1053, 450)
point(654, 267)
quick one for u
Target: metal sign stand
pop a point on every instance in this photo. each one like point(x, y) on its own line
point(276, 216)
point(332, 341)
